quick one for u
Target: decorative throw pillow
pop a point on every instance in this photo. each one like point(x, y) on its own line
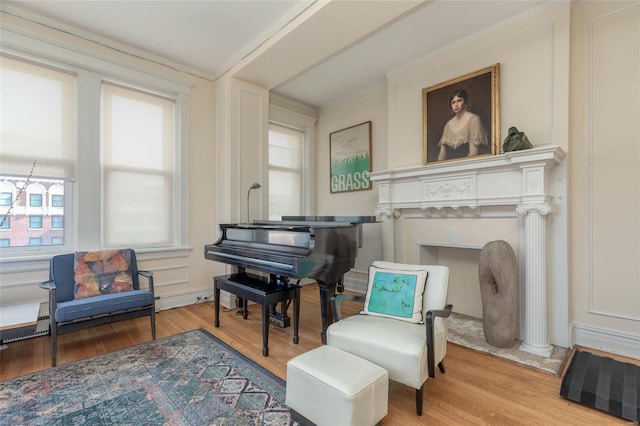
point(396, 294)
point(102, 272)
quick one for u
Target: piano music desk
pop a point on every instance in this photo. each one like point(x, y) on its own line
point(259, 290)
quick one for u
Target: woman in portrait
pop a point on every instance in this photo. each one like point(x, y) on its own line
point(464, 134)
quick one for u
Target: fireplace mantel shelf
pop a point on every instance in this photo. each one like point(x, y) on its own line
point(510, 179)
point(517, 182)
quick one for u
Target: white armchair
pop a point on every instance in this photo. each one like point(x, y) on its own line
point(408, 351)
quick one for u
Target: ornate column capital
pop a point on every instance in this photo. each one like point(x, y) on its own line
point(387, 213)
point(543, 209)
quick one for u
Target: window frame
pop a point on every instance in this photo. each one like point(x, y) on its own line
point(35, 196)
point(53, 221)
point(282, 112)
point(289, 171)
point(3, 198)
point(54, 203)
point(110, 169)
point(82, 205)
point(36, 228)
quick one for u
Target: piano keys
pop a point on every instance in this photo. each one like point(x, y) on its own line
point(322, 248)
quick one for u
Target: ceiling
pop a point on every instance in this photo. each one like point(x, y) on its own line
point(209, 37)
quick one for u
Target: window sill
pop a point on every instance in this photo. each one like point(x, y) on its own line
point(38, 260)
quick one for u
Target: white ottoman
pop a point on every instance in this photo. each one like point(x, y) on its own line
point(332, 387)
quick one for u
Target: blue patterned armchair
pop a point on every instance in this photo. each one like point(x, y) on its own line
point(69, 313)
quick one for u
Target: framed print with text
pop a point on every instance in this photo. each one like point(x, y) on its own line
point(350, 156)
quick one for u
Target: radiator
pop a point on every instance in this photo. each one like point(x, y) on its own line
point(42, 329)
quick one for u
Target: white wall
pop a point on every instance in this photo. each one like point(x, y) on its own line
point(532, 51)
point(370, 105)
point(605, 173)
point(589, 51)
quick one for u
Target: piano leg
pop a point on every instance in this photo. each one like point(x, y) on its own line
point(296, 315)
point(216, 299)
point(265, 330)
point(326, 292)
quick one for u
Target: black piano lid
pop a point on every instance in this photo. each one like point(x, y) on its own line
point(348, 219)
point(268, 225)
point(292, 225)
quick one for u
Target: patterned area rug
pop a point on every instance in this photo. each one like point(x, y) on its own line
point(192, 378)
point(605, 384)
point(468, 332)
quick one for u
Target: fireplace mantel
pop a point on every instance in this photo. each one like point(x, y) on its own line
point(517, 182)
point(509, 179)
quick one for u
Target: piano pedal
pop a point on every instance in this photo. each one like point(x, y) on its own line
point(278, 320)
point(243, 306)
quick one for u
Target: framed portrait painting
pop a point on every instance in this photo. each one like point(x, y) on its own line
point(461, 117)
point(350, 156)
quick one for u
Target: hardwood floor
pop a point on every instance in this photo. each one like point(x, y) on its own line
point(477, 388)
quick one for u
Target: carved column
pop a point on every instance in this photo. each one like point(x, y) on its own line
point(536, 339)
point(386, 213)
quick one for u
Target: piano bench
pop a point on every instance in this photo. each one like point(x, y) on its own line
point(260, 290)
point(328, 386)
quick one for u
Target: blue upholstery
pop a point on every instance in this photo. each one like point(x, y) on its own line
point(105, 304)
point(67, 314)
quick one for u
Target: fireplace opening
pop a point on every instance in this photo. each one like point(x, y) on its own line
point(464, 284)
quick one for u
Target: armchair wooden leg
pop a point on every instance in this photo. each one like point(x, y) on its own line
point(441, 366)
point(54, 344)
point(153, 323)
point(419, 395)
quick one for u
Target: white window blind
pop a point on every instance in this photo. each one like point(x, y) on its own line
point(38, 142)
point(138, 168)
point(285, 171)
point(37, 119)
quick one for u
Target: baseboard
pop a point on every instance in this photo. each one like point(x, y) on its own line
point(228, 300)
point(608, 340)
point(177, 300)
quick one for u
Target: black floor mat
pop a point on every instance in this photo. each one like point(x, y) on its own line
point(603, 383)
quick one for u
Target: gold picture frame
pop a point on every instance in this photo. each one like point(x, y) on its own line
point(461, 117)
point(350, 158)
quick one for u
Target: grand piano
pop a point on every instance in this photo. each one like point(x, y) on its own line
point(322, 248)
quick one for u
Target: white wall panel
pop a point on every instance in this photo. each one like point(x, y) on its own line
point(614, 67)
point(604, 176)
point(253, 113)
